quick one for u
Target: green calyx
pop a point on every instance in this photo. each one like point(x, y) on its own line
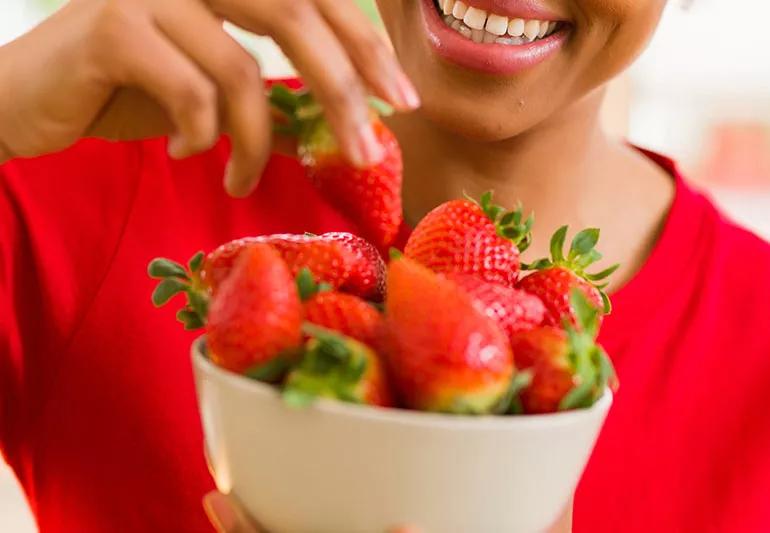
point(303, 117)
point(582, 254)
point(510, 225)
point(177, 279)
point(510, 403)
point(332, 366)
point(307, 286)
point(590, 363)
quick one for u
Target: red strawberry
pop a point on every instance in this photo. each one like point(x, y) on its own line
point(256, 315)
point(443, 353)
point(340, 259)
point(345, 313)
point(329, 261)
point(514, 310)
point(335, 366)
point(464, 237)
point(569, 370)
point(367, 274)
point(554, 278)
point(370, 197)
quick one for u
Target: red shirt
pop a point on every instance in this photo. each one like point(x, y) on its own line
point(97, 410)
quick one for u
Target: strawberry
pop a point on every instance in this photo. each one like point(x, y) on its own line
point(335, 366)
point(442, 352)
point(342, 260)
point(367, 274)
point(344, 313)
point(255, 316)
point(465, 237)
point(329, 261)
point(514, 310)
point(554, 278)
point(370, 197)
point(569, 370)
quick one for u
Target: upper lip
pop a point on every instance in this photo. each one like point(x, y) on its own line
point(523, 9)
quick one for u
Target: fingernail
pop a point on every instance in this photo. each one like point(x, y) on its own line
point(408, 93)
point(176, 146)
point(369, 148)
point(231, 185)
point(220, 513)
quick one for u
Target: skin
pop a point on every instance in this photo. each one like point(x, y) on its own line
point(127, 69)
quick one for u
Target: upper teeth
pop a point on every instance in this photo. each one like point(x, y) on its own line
point(481, 26)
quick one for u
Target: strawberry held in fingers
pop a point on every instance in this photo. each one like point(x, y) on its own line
point(256, 315)
point(336, 366)
point(442, 352)
point(464, 237)
point(370, 197)
point(514, 310)
point(569, 370)
point(554, 278)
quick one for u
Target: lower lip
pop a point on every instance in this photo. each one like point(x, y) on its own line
point(491, 58)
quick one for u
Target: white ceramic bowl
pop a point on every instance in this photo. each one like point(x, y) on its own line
point(343, 468)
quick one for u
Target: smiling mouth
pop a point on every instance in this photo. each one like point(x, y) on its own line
point(480, 26)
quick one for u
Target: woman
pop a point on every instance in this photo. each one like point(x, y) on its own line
point(98, 414)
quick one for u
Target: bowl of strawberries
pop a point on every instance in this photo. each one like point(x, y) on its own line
point(445, 387)
point(450, 386)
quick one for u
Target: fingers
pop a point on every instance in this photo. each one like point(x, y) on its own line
point(371, 55)
point(199, 34)
point(141, 56)
point(225, 515)
point(309, 42)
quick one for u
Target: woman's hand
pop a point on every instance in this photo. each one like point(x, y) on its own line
point(126, 69)
point(228, 517)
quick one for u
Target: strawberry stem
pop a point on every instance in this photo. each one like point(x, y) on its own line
point(592, 366)
point(508, 224)
point(582, 254)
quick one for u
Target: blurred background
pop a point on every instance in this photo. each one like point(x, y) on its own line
point(699, 94)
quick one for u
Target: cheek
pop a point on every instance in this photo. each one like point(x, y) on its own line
point(612, 33)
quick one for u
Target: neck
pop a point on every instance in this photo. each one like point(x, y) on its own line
point(565, 170)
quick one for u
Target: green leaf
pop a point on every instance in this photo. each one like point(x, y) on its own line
point(382, 108)
point(271, 371)
point(324, 287)
point(196, 262)
point(306, 284)
point(510, 403)
point(283, 99)
point(161, 268)
point(584, 242)
point(557, 244)
point(540, 264)
point(511, 233)
point(508, 218)
point(607, 272)
point(297, 399)
point(585, 312)
point(486, 201)
point(606, 369)
point(395, 254)
point(606, 302)
point(586, 260)
point(578, 398)
point(167, 289)
point(190, 319)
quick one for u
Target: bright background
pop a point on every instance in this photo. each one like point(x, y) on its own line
point(700, 93)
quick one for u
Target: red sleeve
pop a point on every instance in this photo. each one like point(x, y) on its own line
point(61, 220)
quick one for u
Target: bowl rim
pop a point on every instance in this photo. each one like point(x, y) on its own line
point(400, 416)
